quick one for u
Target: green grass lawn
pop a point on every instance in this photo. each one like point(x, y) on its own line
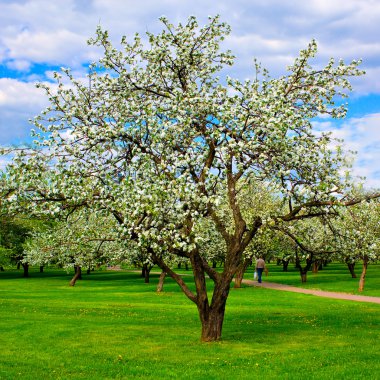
point(113, 326)
point(334, 277)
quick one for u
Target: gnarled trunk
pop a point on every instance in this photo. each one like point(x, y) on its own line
point(77, 275)
point(363, 274)
point(212, 317)
point(161, 280)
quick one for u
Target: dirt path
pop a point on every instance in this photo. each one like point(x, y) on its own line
point(319, 293)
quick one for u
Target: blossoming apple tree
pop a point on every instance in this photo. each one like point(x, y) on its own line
point(156, 139)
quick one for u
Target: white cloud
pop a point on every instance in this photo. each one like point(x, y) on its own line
point(53, 47)
point(363, 136)
point(14, 93)
point(19, 101)
point(272, 30)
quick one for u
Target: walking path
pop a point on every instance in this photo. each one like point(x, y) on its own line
point(320, 293)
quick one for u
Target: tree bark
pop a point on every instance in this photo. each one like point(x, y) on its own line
point(41, 268)
point(146, 272)
point(363, 274)
point(285, 264)
point(1, 268)
point(351, 268)
point(315, 266)
point(161, 280)
point(212, 317)
point(26, 270)
point(240, 272)
point(303, 271)
point(77, 275)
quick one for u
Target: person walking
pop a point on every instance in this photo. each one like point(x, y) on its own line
point(260, 265)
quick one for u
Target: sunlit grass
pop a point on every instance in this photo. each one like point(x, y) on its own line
point(113, 326)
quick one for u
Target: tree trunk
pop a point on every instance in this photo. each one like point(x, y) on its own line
point(315, 267)
point(351, 268)
point(77, 275)
point(160, 285)
point(26, 270)
point(212, 317)
point(285, 264)
point(363, 274)
point(241, 270)
point(303, 271)
point(18, 265)
point(1, 268)
point(146, 271)
point(214, 264)
point(212, 325)
point(41, 268)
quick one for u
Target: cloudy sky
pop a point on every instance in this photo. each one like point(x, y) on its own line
point(40, 36)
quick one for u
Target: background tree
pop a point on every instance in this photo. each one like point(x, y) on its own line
point(14, 231)
point(357, 233)
point(159, 141)
point(315, 242)
point(83, 240)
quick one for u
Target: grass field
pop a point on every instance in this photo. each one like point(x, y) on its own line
point(113, 326)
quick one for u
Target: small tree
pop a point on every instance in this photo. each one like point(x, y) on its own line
point(358, 235)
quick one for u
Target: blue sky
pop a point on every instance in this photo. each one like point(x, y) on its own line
point(39, 36)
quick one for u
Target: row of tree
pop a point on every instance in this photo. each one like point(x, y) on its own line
point(84, 241)
point(168, 159)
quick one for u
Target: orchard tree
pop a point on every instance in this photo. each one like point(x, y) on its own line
point(315, 241)
point(156, 139)
point(14, 231)
point(82, 240)
point(357, 233)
